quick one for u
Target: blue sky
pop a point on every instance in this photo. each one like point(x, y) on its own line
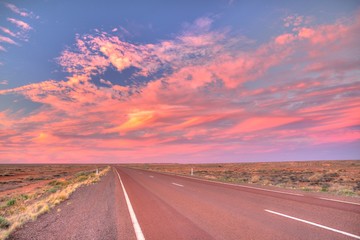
point(55, 24)
point(135, 48)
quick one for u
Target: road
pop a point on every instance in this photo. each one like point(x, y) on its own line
point(172, 207)
point(129, 204)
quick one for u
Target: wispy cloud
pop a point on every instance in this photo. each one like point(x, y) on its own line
point(7, 40)
point(8, 31)
point(204, 94)
point(20, 24)
point(295, 21)
point(4, 82)
point(20, 28)
point(21, 12)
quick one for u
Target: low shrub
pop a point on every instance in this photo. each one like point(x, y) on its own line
point(57, 183)
point(325, 187)
point(82, 174)
point(24, 196)
point(82, 178)
point(11, 202)
point(53, 189)
point(4, 223)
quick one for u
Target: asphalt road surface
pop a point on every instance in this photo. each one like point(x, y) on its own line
point(172, 207)
point(136, 204)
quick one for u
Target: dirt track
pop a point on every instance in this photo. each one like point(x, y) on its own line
point(92, 212)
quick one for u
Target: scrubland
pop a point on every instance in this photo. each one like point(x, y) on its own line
point(336, 177)
point(27, 191)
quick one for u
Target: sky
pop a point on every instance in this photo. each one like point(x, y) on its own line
point(179, 81)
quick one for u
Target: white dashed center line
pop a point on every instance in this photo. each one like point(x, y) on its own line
point(179, 185)
point(334, 200)
point(243, 186)
point(314, 224)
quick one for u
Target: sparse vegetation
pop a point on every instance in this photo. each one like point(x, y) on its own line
point(4, 223)
point(11, 202)
point(53, 189)
point(21, 208)
point(24, 196)
point(336, 177)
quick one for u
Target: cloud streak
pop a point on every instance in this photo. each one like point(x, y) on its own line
point(20, 24)
point(8, 31)
point(20, 28)
point(204, 95)
point(15, 9)
point(7, 40)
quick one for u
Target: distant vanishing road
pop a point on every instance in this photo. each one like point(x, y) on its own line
point(138, 204)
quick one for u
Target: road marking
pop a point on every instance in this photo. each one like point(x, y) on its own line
point(314, 224)
point(334, 200)
point(230, 184)
point(136, 225)
point(151, 176)
point(176, 184)
point(236, 185)
point(268, 190)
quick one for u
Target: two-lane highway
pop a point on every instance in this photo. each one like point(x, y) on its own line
point(173, 207)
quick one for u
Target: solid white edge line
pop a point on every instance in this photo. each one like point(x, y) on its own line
point(314, 224)
point(176, 184)
point(139, 234)
point(335, 200)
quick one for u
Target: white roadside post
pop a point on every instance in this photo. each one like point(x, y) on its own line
point(97, 171)
point(192, 171)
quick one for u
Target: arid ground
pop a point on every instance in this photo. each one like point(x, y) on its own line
point(338, 177)
point(27, 191)
point(126, 199)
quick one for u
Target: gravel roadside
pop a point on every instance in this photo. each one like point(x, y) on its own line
point(93, 212)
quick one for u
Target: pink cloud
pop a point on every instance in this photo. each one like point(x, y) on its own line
point(15, 9)
point(293, 20)
point(7, 31)
point(284, 38)
point(260, 123)
point(344, 118)
point(339, 65)
point(7, 40)
point(217, 101)
point(335, 137)
point(329, 33)
point(203, 23)
point(21, 24)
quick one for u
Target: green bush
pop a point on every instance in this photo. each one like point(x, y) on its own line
point(53, 189)
point(4, 223)
point(11, 202)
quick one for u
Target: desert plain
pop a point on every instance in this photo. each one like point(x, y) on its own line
point(28, 191)
point(335, 177)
